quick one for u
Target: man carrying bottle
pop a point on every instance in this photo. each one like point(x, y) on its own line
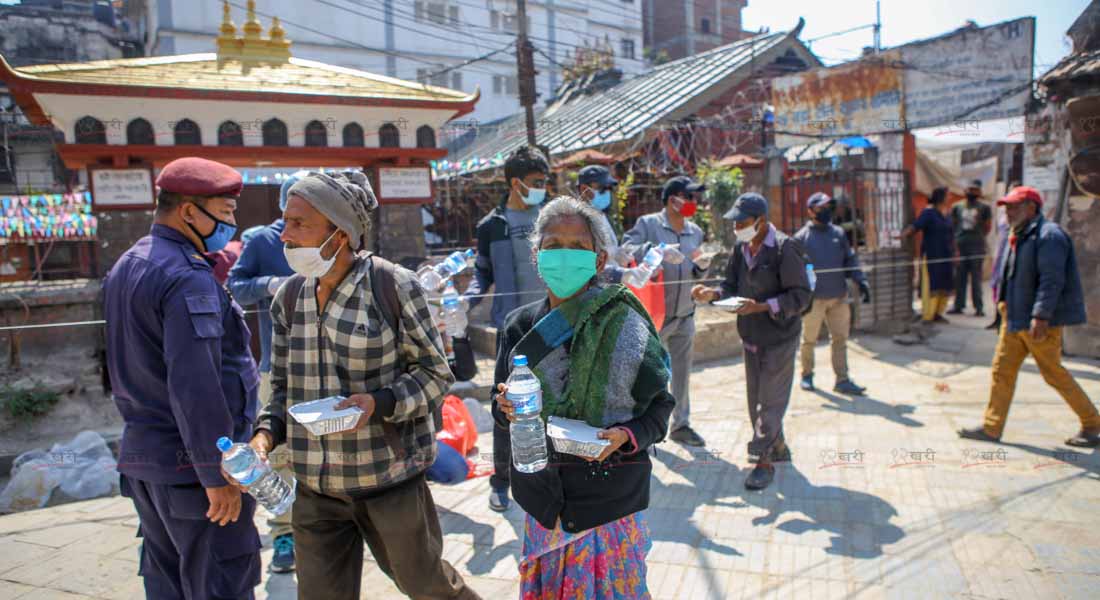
point(673, 226)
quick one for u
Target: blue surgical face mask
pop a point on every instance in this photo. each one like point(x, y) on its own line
point(534, 196)
point(217, 239)
point(601, 200)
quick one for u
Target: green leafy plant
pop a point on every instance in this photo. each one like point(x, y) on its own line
point(27, 404)
point(622, 193)
point(724, 185)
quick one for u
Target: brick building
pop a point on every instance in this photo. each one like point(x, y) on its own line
point(680, 28)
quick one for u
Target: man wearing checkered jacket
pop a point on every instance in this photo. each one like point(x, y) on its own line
point(332, 336)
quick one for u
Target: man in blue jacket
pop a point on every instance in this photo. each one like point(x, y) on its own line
point(505, 260)
point(1039, 293)
point(259, 272)
point(834, 262)
point(183, 376)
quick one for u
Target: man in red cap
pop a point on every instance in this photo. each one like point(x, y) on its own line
point(1040, 293)
point(183, 376)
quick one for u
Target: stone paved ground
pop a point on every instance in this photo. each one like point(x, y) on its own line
point(956, 523)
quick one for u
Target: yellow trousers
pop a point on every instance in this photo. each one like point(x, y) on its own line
point(932, 303)
point(1012, 349)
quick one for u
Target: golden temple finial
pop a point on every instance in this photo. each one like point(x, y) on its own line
point(252, 28)
point(228, 29)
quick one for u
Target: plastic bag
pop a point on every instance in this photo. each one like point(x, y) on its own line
point(483, 419)
point(459, 431)
point(652, 296)
point(81, 469)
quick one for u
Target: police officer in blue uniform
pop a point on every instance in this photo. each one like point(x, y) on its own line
point(183, 376)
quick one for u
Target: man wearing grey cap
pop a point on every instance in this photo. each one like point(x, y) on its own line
point(768, 269)
point(356, 326)
point(673, 227)
point(973, 220)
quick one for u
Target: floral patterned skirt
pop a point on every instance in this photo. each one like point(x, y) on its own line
point(605, 563)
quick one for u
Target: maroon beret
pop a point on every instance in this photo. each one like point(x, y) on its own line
point(194, 176)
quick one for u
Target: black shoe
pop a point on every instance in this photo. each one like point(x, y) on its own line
point(979, 313)
point(995, 325)
point(848, 387)
point(1084, 439)
point(942, 320)
point(283, 559)
point(687, 437)
point(808, 383)
point(781, 452)
point(955, 311)
point(760, 477)
point(977, 433)
point(498, 500)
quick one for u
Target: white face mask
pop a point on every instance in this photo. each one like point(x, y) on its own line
point(745, 235)
point(308, 262)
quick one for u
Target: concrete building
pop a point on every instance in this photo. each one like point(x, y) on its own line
point(679, 28)
point(425, 40)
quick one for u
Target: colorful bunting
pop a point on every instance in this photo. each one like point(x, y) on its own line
point(47, 217)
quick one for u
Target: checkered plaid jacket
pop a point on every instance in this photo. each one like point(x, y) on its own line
point(352, 350)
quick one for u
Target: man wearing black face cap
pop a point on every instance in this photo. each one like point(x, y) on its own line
point(673, 227)
point(834, 263)
point(183, 376)
point(972, 220)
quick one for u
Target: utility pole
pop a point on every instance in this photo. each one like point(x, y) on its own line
point(525, 61)
point(878, 26)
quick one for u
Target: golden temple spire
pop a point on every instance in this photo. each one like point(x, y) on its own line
point(228, 29)
point(252, 28)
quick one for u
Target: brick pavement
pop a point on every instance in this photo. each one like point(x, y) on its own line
point(881, 501)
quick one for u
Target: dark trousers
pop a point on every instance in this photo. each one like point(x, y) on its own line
point(769, 373)
point(183, 554)
point(502, 457)
point(401, 527)
point(969, 268)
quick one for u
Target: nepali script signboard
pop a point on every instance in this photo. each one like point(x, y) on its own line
point(122, 189)
point(971, 75)
point(857, 98)
point(405, 185)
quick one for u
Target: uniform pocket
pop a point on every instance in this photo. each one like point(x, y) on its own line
point(205, 316)
point(236, 551)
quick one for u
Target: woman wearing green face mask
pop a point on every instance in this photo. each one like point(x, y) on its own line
point(599, 360)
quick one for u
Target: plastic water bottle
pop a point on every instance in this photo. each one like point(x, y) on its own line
point(810, 275)
point(452, 312)
point(638, 276)
point(432, 278)
point(244, 465)
point(528, 433)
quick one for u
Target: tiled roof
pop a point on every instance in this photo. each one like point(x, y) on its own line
point(626, 110)
point(203, 72)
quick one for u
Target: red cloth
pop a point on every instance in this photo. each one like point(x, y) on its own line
point(224, 260)
point(194, 176)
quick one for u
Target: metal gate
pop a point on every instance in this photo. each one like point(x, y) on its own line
point(873, 207)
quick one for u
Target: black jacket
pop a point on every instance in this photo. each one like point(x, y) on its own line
point(584, 495)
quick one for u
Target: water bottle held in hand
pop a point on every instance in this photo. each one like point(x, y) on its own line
point(243, 464)
point(811, 276)
point(527, 431)
point(433, 277)
point(639, 275)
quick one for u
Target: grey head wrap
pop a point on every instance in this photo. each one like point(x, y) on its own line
point(346, 199)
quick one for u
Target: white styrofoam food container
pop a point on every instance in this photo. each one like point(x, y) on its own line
point(575, 437)
point(320, 417)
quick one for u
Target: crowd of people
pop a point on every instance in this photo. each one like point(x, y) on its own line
point(338, 321)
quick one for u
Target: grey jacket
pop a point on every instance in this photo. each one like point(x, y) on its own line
point(833, 259)
point(653, 229)
point(779, 275)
